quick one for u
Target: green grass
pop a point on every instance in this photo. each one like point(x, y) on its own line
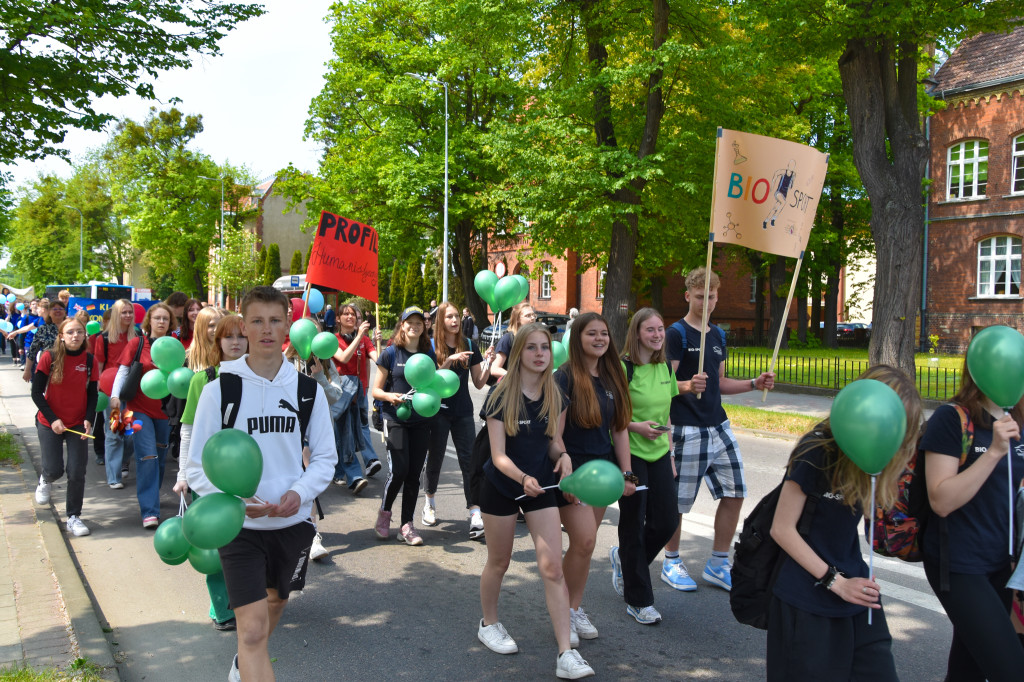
point(788, 423)
point(8, 448)
point(81, 670)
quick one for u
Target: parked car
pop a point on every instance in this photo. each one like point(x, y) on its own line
point(490, 337)
point(555, 322)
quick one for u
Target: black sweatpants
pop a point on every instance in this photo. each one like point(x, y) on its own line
point(984, 644)
point(407, 451)
point(647, 520)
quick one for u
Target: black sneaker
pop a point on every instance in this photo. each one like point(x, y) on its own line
point(372, 468)
point(226, 626)
point(101, 461)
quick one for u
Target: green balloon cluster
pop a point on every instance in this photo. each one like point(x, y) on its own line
point(501, 294)
point(168, 354)
point(995, 360)
point(213, 520)
point(598, 483)
point(324, 345)
point(233, 462)
point(154, 384)
point(420, 371)
point(404, 411)
point(178, 382)
point(869, 422)
point(430, 383)
point(301, 334)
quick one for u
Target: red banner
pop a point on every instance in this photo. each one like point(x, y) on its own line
point(344, 257)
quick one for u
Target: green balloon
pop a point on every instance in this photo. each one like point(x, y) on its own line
point(233, 462)
point(445, 384)
point(301, 335)
point(995, 360)
point(484, 283)
point(869, 422)
point(154, 384)
point(324, 345)
point(559, 354)
point(597, 483)
point(168, 354)
point(178, 381)
point(426, 403)
point(524, 286)
point(420, 370)
point(206, 561)
point(92, 327)
point(404, 411)
point(170, 543)
point(507, 293)
point(565, 341)
point(213, 520)
point(176, 562)
point(102, 400)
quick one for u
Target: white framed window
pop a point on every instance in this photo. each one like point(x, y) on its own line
point(545, 279)
point(999, 266)
point(967, 170)
point(753, 288)
point(1017, 184)
point(600, 284)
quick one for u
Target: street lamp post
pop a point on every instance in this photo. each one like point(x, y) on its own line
point(220, 285)
point(81, 237)
point(444, 251)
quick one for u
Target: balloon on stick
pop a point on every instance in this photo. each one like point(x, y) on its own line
point(868, 422)
point(507, 293)
point(524, 286)
point(484, 283)
point(213, 520)
point(598, 483)
point(233, 462)
point(995, 360)
point(314, 300)
point(301, 335)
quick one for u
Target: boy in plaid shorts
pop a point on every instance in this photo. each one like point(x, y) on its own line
point(704, 445)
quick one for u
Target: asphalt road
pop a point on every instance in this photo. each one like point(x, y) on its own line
point(382, 610)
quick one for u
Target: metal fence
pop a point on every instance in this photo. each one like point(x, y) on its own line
point(935, 383)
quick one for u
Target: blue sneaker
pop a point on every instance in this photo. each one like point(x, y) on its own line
point(721, 577)
point(674, 573)
point(613, 554)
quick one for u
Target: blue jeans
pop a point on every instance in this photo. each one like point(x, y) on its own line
point(114, 445)
point(150, 460)
point(346, 426)
point(369, 454)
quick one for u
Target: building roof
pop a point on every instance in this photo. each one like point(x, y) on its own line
point(986, 59)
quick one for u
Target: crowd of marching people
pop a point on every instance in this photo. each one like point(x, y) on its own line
point(653, 411)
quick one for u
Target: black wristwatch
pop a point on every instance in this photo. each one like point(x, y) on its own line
point(829, 578)
point(631, 477)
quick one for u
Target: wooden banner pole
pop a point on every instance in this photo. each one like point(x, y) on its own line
point(785, 316)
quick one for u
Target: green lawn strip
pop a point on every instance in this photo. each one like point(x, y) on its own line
point(81, 670)
point(8, 448)
point(788, 423)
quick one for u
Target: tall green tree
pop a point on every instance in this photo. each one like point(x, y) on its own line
point(295, 267)
point(233, 267)
point(261, 263)
point(57, 58)
point(272, 268)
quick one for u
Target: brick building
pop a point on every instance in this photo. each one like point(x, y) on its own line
point(974, 228)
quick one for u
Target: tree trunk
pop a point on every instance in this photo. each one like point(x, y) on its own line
point(658, 293)
point(816, 306)
point(831, 307)
point(880, 89)
point(462, 259)
point(801, 318)
point(778, 282)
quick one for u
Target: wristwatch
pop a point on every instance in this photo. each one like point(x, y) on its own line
point(829, 578)
point(753, 384)
point(631, 477)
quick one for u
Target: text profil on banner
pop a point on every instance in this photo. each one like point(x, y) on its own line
point(344, 256)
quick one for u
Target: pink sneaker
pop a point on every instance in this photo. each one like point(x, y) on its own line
point(409, 535)
point(383, 527)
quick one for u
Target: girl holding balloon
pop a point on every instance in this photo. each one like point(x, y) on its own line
point(969, 568)
point(458, 354)
point(64, 390)
point(151, 440)
point(525, 417)
point(355, 351)
point(107, 350)
point(818, 622)
point(522, 314)
point(599, 411)
point(407, 431)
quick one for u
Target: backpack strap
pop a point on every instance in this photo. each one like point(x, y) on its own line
point(230, 399)
point(211, 374)
point(629, 370)
point(106, 346)
point(307, 396)
point(88, 366)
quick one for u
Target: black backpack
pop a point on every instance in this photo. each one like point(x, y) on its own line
point(758, 558)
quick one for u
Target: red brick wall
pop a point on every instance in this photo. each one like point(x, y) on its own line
point(956, 227)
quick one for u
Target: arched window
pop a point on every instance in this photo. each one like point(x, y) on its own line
point(999, 266)
point(967, 170)
point(545, 279)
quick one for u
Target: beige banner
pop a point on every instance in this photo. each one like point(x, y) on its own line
point(766, 192)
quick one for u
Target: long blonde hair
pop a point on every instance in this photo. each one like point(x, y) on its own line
point(203, 353)
point(507, 397)
point(58, 351)
point(114, 323)
point(515, 317)
point(848, 479)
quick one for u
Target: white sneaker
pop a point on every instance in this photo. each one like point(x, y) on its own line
point(646, 615)
point(233, 674)
point(617, 583)
point(43, 491)
point(571, 666)
point(316, 550)
point(495, 638)
point(429, 513)
point(581, 624)
point(76, 527)
point(476, 525)
point(574, 638)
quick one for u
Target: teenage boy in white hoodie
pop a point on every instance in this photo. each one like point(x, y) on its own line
point(269, 557)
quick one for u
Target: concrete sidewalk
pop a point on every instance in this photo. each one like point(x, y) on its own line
point(46, 617)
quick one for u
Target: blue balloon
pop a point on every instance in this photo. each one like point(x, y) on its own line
point(20, 306)
point(315, 303)
point(11, 298)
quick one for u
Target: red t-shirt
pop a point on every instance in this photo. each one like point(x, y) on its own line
point(67, 399)
point(359, 364)
point(115, 350)
point(141, 402)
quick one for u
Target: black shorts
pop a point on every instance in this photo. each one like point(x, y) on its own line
point(260, 559)
point(580, 460)
point(493, 502)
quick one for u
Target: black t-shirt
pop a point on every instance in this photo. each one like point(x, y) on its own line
point(979, 530)
point(833, 536)
point(687, 410)
point(461, 404)
point(393, 359)
point(504, 346)
point(585, 443)
point(528, 449)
